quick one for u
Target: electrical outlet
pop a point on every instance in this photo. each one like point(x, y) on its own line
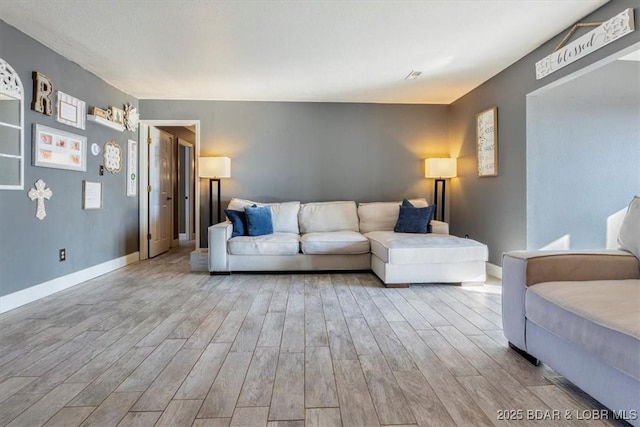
point(466, 236)
point(63, 254)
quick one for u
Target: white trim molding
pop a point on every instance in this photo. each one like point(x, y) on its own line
point(25, 296)
point(494, 270)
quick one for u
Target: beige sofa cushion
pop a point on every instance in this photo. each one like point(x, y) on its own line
point(629, 236)
point(408, 248)
point(382, 216)
point(270, 244)
point(328, 216)
point(601, 316)
point(285, 215)
point(334, 242)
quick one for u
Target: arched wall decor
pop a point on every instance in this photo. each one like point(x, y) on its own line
point(11, 129)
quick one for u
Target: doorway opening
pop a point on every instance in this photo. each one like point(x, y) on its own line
point(166, 194)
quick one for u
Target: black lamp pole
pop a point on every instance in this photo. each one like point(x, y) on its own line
point(211, 201)
point(435, 197)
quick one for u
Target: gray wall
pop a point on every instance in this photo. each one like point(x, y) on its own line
point(29, 247)
point(314, 151)
point(493, 209)
point(583, 155)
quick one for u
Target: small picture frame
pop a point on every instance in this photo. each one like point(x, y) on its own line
point(99, 112)
point(117, 115)
point(487, 142)
point(71, 111)
point(91, 195)
point(132, 168)
point(112, 155)
point(53, 148)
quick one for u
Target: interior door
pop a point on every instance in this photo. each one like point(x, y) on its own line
point(160, 192)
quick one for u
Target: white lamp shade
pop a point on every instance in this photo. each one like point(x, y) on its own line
point(214, 167)
point(440, 168)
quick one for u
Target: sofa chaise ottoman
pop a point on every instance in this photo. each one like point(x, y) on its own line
point(341, 235)
point(427, 258)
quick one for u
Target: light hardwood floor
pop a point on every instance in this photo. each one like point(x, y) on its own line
point(153, 344)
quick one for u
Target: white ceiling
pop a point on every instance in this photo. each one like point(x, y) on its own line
point(335, 51)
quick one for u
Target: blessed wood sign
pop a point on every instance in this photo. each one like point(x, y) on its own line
point(616, 27)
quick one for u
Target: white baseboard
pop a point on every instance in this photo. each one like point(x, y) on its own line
point(494, 270)
point(25, 296)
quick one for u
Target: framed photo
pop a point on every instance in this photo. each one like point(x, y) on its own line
point(487, 142)
point(99, 112)
point(91, 195)
point(53, 148)
point(71, 111)
point(117, 115)
point(132, 168)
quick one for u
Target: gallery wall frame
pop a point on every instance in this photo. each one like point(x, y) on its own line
point(487, 141)
point(11, 123)
point(91, 195)
point(55, 148)
point(117, 115)
point(112, 154)
point(132, 168)
point(71, 111)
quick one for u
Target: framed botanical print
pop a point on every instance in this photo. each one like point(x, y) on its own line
point(487, 142)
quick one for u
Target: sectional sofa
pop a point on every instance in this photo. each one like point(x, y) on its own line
point(579, 312)
point(342, 235)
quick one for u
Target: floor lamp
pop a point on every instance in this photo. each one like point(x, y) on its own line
point(439, 169)
point(214, 168)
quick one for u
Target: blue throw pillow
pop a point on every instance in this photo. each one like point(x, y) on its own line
point(414, 220)
point(239, 221)
point(259, 221)
point(407, 203)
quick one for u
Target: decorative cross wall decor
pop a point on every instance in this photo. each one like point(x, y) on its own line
point(40, 193)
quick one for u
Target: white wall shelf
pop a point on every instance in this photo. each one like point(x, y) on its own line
point(105, 122)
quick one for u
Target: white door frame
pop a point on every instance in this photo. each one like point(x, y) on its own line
point(143, 174)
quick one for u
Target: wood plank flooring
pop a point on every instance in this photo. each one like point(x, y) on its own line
point(154, 344)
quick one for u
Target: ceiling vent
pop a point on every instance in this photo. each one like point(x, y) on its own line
point(413, 75)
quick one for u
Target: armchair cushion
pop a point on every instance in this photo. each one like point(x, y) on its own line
point(629, 237)
point(600, 316)
point(382, 216)
point(269, 244)
point(319, 217)
point(285, 215)
point(334, 242)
